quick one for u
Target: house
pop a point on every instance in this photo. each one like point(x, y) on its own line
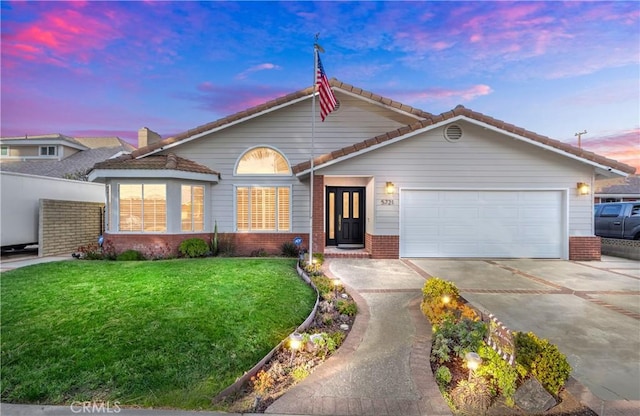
point(617, 189)
point(57, 155)
point(392, 179)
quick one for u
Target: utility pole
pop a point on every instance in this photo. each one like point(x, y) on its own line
point(579, 136)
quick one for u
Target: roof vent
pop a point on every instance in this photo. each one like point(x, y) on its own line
point(453, 132)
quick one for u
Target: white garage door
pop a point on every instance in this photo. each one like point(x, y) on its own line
point(503, 224)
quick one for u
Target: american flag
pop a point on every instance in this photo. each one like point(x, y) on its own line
point(328, 101)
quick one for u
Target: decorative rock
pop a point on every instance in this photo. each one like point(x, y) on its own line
point(533, 398)
point(345, 296)
point(344, 327)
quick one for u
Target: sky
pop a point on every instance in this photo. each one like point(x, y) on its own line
point(108, 68)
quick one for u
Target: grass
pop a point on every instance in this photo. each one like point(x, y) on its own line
point(164, 333)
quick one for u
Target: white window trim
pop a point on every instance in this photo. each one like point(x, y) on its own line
point(269, 175)
point(270, 185)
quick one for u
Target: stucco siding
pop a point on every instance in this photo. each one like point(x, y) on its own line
point(482, 159)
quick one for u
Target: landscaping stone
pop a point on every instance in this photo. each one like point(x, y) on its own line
point(533, 398)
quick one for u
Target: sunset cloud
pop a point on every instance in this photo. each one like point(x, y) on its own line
point(262, 67)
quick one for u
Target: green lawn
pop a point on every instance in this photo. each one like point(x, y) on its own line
point(158, 333)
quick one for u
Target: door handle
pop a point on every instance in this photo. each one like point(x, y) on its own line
point(339, 222)
point(617, 223)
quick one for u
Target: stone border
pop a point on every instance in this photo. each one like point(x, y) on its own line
point(240, 381)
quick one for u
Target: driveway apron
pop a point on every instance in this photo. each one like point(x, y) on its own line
point(383, 366)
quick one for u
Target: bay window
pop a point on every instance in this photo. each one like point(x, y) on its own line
point(192, 208)
point(142, 207)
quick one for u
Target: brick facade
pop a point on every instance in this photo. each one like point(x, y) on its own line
point(166, 245)
point(584, 248)
point(67, 225)
point(319, 236)
point(383, 246)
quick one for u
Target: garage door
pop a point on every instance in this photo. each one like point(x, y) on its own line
point(502, 224)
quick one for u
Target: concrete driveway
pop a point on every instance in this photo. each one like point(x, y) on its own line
point(590, 310)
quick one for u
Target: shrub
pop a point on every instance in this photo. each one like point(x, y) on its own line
point(299, 373)
point(324, 285)
point(288, 249)
point(347, 307)
point(433, 304)
point(262, 382)
point(338, 337)
point(226, 246)
point(325, 344)
point(443, 376)
point(456, 337)
point(543, 360)
point(91, 251)
point(502, 376)
point(259, 253)
point(130, 255)
point(193, 247)
point(472, 397)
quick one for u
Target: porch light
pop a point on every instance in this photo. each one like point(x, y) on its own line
point(583, 188)
point(473, 362)
point(390, 188)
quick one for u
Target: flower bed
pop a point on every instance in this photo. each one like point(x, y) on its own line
point(300, 354)
point(462, 342)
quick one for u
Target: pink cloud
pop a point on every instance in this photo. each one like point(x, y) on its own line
point(444, 94)
point(60, 35)
point(623, 146)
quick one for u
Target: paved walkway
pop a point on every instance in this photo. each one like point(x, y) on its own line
point(383, 366)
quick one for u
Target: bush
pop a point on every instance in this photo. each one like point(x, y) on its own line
point(91, 251)
point(130, 255)
point(434, 306)
point(472, 397)
point(226, 245)
point(543, 360)
point(347, 307)
point(288, 249)
point(193, 247)
point(499, 372)
point(456, 337)
point(259, 253)
point(299, 373)
point(443, 376)
point(324, 285)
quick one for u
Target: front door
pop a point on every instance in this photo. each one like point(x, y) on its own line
point(345, 216)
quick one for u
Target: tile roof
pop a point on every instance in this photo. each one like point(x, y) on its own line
point(274, 103)
point(428, 120)
point(96, 142)
point(620, 186)
point(75, 165)
point(462, 111)
point(155, 162)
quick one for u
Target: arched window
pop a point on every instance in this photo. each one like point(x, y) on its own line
point(263, 161)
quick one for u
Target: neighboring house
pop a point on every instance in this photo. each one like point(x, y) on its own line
point(57, 155)
point(390, 178)
point(617, 189)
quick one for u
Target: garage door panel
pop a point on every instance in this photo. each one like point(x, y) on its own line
point(505, 224)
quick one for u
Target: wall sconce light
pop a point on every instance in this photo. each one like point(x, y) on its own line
point(390, 188)
point(583, 188)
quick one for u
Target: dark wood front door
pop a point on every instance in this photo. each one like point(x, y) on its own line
point(345, 216)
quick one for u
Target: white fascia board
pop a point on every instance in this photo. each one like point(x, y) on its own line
point(101, 174)
point(379, 104)
point(224, 126)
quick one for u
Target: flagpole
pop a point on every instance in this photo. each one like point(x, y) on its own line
point(313, 131)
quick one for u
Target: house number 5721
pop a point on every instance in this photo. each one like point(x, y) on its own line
point(386, 201)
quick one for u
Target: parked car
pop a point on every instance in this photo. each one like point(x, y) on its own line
point(618, 220)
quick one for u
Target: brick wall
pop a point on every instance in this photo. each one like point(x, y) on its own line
point(383, 246)
point(166, 245)
point(584, 248)
point(318, 214)
point(66, 225)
